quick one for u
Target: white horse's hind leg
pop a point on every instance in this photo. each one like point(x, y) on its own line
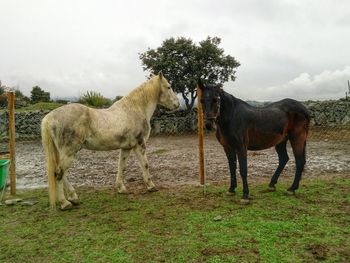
point(72, 195)
point(140, 151)
point(119, 182)
point(64, 163)
point(65, 204)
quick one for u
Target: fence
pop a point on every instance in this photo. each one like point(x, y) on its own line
point(328, 119)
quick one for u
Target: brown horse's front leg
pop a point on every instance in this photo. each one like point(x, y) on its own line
point(242, 158)
point(232, 161)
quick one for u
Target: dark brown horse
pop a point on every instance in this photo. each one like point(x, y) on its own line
point(241, 127)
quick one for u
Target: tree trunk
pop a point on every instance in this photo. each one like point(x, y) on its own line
point(189, 103)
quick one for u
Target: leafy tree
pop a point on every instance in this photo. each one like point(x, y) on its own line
point(20, 99)
point(2, 88)
point(95, 99)
point(183, 62)
point(39, 95)
point(3, 97)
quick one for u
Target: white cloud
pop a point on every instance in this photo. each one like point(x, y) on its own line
point(326, 85)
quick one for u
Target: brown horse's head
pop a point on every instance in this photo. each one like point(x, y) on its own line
point(210, 103)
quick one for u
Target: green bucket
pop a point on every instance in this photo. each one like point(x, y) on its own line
point(4, 170)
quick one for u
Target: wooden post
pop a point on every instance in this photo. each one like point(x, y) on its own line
point(12, 143)
point(200, 137)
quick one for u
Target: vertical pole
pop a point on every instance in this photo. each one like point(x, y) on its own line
point(200, 137)
point(12, 143)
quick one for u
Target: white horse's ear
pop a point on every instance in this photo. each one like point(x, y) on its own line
point(160, 74)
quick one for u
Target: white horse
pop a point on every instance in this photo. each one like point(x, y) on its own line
point(125, 125)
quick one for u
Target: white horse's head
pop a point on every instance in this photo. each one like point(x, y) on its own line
point(167, 97)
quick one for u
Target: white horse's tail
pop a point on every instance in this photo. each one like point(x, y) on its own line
point(51, 159)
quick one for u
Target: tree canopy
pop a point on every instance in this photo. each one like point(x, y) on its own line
point(37, 95)
point(183, 62)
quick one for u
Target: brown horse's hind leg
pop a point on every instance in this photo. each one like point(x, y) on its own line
point(242, 159)
point(283, 158)
point(299, 145)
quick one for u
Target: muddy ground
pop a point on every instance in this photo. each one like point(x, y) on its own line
point(174, 161)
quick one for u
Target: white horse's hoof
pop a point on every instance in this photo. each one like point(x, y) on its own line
point(152, 189)
point(122, 190)
point(74, 201)
point(66, 205)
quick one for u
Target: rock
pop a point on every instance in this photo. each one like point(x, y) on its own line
point(217, 218)
point(29, 202)
point(12, 201)
point(346, 120)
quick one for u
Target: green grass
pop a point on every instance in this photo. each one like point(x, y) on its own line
point(177, 225)
point(40, 106)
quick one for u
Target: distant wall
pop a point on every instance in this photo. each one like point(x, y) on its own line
point(323, 114)
point(329, 113)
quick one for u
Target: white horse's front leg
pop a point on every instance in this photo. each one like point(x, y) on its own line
point(119, 182)
point(140, 151)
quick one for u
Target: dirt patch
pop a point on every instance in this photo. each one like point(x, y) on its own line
point(174, 161)
point(319, 252)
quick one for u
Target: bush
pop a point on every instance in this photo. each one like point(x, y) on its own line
point(95, 99)
point(61, 101)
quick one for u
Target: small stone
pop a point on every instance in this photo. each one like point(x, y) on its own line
point(217, 218)
point(244, 201)
point(10, 202)
point(13, 201)
point(29, 202)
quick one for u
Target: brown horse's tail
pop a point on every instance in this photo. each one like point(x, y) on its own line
point(51, 159)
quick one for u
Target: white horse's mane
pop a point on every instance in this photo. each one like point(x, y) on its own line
point(146, 92)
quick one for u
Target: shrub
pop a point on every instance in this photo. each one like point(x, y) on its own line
point(95, 99)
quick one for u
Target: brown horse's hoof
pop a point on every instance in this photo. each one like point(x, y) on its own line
point(231, 193)
point(244, 201)
point(290, 193)
point(153, 189)
point(66, 205)
point(271, 189)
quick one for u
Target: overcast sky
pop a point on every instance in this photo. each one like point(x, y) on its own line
point(287, 48)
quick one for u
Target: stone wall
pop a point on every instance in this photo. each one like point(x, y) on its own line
point(329, 113)
point(323, 114)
